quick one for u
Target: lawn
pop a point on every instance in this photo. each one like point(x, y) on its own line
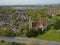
point(50, 35)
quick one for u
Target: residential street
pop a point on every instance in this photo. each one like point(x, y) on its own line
point(25, 40)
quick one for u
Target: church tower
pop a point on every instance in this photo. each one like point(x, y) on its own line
point(30, 23)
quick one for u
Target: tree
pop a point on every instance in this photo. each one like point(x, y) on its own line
point(6, 10)
point(57, 24)
point(15, 43)
point(2, 41)
point(31, 33)
point(7, 32)
point(42, 14)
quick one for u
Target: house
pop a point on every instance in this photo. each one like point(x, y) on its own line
point(14, 28)
point(52, 12)
point(7, 26)
point(37, 24)
point(4, 26)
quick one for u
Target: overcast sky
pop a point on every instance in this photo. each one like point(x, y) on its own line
point(28, 2)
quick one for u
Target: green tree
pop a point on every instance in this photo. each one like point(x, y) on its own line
point(7, 32)
point(57, 24)
point(31, 33)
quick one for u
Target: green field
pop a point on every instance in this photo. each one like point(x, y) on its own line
point(51, 35)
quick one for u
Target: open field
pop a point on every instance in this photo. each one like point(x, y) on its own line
point(51, 35)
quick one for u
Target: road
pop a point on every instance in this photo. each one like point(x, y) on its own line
point(25, 40)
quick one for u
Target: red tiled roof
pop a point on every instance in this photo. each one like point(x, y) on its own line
point(37, 24)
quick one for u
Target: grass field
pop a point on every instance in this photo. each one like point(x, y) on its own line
point(50, 35)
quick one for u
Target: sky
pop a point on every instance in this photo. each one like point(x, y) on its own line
point(28, 2)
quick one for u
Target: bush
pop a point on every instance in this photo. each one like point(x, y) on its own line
point(49, 27)
point(31, 33)
point(34, 33)
point(39, 31)
point(2, 41)
point(14, 43)
point(57, 24)
point(8, 33)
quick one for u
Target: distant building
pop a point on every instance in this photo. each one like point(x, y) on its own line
point(52, 12)
point(5, 26)
point(37, 24)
